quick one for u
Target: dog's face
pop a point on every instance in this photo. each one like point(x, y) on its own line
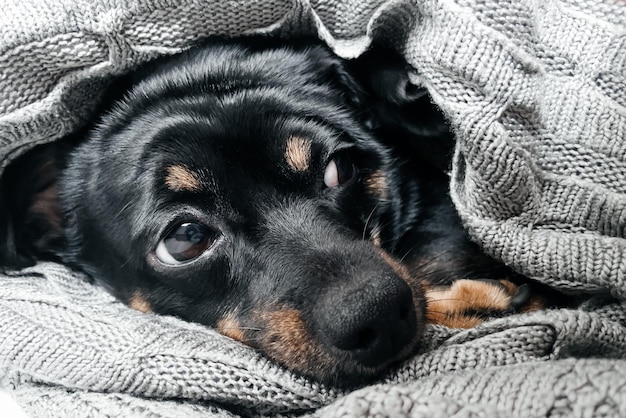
point(237, 188)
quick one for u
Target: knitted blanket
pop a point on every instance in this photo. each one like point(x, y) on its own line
point(535, 91)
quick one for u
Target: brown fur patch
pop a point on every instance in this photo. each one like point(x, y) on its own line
point(298, 153)
point(46, 205)
point(447, 306)
point(375, 237)
point(536, 303)
point(376, 184)
point(456, 321)
point(180, 178)
point(138, 302)
point(511, 288)
point(230, 327)
point(288, 340)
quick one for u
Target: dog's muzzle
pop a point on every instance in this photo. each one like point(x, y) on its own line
point(372, 320)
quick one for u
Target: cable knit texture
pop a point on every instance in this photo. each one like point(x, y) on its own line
point(535, 91)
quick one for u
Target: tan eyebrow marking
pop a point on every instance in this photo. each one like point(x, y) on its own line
point(180, 178)
point(298, 153)
point(376, 183)
point(138, 302)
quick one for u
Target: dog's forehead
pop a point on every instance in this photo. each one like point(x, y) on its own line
point(220, 161)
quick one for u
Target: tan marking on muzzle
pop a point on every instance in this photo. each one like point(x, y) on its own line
point(138, 302)
point(376, 184)
point(179, 178)
point(288, 341)
point(298, 153)
point(230, 327)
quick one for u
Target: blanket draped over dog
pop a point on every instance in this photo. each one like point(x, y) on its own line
point(535, 91)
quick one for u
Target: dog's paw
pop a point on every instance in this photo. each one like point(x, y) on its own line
point(467, 303)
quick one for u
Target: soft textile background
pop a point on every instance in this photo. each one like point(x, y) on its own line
point(536, 94)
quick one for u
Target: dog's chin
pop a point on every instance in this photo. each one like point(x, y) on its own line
point(339, 369)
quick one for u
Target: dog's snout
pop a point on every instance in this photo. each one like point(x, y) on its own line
point(372, 322)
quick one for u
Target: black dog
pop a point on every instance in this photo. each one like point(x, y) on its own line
point(262, 189)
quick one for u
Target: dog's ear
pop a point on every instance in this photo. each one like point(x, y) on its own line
point(402, 110)
point(30, 215)
point(349, 83)
point(334, 71)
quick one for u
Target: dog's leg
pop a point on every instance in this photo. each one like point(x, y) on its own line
point(467, 303)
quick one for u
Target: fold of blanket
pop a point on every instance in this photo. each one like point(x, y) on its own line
point(535, 93)
point(70, 349)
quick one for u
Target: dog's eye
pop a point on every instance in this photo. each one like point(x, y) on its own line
point(185, 243)
point(338, 171)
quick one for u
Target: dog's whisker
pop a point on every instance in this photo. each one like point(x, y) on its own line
point(431, 260)
point(431, 300)
point(126, 206)
point(249, 340)
point(427, 274)
point(442, 313)
point(369, 217)
point(125, 263)
point(438, 290)
point(407, 253)
point(379, 226)
point(413, 247)
point(242, 328)
point(449, 314)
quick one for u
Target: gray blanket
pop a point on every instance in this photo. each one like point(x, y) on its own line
point(535, 92)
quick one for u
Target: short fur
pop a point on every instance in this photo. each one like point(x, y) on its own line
point(332, 282)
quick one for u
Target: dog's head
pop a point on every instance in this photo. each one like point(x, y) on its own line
point(237, 187)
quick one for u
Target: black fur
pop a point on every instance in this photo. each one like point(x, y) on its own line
point(299, 270)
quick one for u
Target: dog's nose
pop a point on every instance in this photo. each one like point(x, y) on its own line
point(374, 321)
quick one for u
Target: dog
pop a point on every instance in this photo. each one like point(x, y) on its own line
point(287, 198)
